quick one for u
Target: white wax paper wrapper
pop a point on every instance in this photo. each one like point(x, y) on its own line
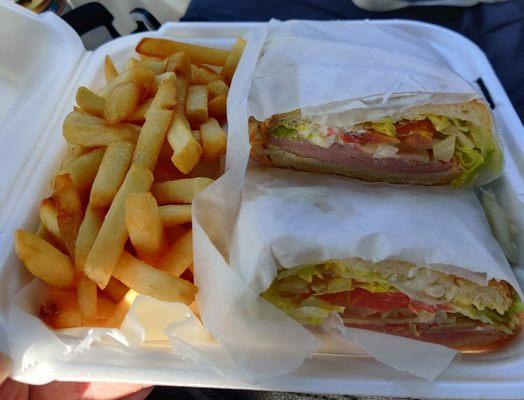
point(354, 72)
point(260, 340)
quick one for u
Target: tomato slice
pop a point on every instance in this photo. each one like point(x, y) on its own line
point(380, 302)
point(416, 134)
point(338, 299)
point(370, 137)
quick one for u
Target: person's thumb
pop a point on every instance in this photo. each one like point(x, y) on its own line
point(5, 367)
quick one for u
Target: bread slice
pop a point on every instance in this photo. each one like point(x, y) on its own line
point(474, 111)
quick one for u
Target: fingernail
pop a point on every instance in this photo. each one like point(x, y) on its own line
point(5, 367)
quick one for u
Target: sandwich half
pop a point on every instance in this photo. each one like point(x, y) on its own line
point(450, 144)
point(399, 298)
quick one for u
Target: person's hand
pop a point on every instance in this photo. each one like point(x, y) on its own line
point(12, 390)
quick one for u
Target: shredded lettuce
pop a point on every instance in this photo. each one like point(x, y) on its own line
point(385, 126)
point(445, 149)
point(440, 123)
point(282, 131)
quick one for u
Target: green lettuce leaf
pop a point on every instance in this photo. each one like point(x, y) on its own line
point(282, 131)
point(384, 126)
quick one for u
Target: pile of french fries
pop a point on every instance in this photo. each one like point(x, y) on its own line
point(118, 222)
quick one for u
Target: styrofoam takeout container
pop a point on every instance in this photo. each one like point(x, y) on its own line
point(42, 62)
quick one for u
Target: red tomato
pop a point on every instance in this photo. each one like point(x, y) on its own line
point(370, 137)
point(417, 134)
point(381, 302)
point(338, 299)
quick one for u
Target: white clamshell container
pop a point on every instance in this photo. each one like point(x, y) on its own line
point(43, 61)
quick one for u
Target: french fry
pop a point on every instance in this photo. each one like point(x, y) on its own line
point(158, 66)
point(181, 94)
point(164, 77)
point(90, 131)
point(112, 236)
point(61, 309)
point(172, 215)
point(179, 191)
point(139, 115)
point(73, 151)
point(214, 140)
point(186, 150)
point(201, 76)
point(180, 64)
point(69, 210)
point(90, 102)
point(121, 102)
point(43, 233)
point(86, 292)
point(123, 306)
point(87, 233)
point(233, 58)
point(216, 88)
point(111, 174)
point(115, 290)
point(217, 107)
point(49, 218)
point(165, 97)
point(197, 136)
point(43, 260)
point(196, 104)
point(179, 257)
point(132, 62)
point(163, 48)
point(144, 226)
point(84, 169)
point(106, 308)
point(152, 137)
point(150, 281)
point(110, 70)
point(144, 78)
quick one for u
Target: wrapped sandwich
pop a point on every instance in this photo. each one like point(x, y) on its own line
point(414, 262)
point(430, 144)
point(372, 103)
point(401, 298)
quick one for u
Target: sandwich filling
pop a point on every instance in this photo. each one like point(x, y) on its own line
point(400, 298)
point(426, 145)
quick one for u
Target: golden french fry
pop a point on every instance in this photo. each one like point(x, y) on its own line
point(201, 76)
point(179, 191)
point(186, 150)
point(111, 174)
point(170, 75)
point(121, 102)
point(180, 64)
point(84, 169)
point(106, 308)
point(49, 218)
point(73, 151)
point(87, 233)
point(61, 309)
point(196, 104)
point(115, 290)
point(122, 308)
point(152, 137)
point(90, 102)
point(113, 235)
point(158, 66)
point(110, 70)
point(86, 292)
point(69, 210)
point(216, 88)
point(181, 94)
point(163, 48)
point(179, 257)
point(197, 136)
point(144, 78)
point(193, 306)
point(43, 233)
point(139, 115)
point(90, 131)
point(144, 227)
point(214, 140)
point(150, 281)
point(233, 58)
point(132, 62)
point(165, 97)
point(172, 215)
point(217, 107)
point(43, 260)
